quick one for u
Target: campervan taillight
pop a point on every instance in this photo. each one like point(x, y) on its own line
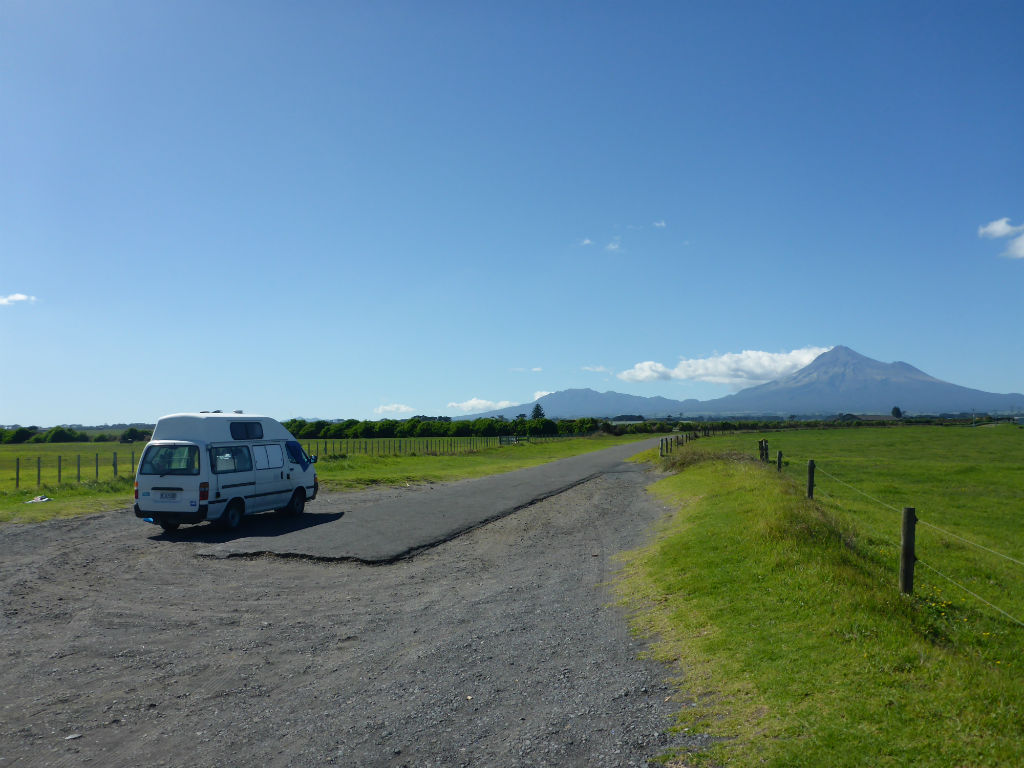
point(204, 491)
point(136, 490)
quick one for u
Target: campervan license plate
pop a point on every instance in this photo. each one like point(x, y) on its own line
point(168, 496)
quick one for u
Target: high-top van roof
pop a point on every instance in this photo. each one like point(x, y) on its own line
point(218, 428)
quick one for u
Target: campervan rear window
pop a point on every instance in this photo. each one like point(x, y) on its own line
point(170, 460)
point(246, 430)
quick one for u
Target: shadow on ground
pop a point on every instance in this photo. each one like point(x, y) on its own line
point(254, 526)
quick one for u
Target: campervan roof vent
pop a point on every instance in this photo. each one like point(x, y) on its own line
point(237, 411)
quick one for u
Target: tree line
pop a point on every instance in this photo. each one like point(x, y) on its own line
point(68, 435)
point(443, 426)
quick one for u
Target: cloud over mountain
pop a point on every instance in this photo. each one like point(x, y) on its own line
point(736, 368)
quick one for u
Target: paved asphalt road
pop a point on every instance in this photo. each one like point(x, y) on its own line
point(371, 528)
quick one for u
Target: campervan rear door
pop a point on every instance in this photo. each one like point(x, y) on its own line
point(168, 477)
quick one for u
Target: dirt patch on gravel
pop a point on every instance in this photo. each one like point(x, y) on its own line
point(122, 648)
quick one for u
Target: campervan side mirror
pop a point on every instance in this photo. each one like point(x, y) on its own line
point(313, 458)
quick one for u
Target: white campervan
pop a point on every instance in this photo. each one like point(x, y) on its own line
point(221, 467)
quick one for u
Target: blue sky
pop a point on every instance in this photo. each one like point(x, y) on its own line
point(370, 209)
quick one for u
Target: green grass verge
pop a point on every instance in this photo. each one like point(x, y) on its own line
point(335, 473)
point(792, 643)
point(360, 471)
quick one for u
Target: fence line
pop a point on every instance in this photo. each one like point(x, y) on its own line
point(972, 543)
point(402, 446)
point(972, 594)
point(905, 552)
point(925, 522)
point(49, 468)
point(858, 490)
point(54, 469)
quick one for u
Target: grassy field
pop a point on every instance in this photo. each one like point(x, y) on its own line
point(793, 644)
point(335, 472)
point(96, 459)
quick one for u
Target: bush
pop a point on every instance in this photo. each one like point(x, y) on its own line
point(132, 435)
point(19, 435)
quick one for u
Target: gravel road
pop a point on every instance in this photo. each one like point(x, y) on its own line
point(123, 647)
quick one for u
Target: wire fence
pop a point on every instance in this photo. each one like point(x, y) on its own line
point(406, 446)
point(50, 466)
point(26, 471)
point(814, 469)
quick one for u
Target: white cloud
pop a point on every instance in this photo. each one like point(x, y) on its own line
point(1003, 228)
point(660, 224)
point(647, 371)
point(540, 394)
point(536, 369)
point(743, 368)
point(614, 245)
point(14, 298)
point(393, 408)
point(586, 241)
point(1015, 250)
point(596, 369)
point(479, 404)
point(999, 228)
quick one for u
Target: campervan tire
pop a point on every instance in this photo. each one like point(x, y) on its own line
point(232, 517)
point(297, 505)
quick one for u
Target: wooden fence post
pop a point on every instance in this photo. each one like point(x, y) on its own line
point(810, 479)
point(39, 471)
point(17, 472)
point(78, 462)
point(779, 461)
point(97, 467)
point(58, 470)
point(907, 557)
point(115, 463)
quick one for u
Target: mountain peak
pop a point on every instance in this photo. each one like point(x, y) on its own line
point(838, 381)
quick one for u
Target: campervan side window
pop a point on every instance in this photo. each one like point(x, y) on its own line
point(230, 458)
point(268, 456)
point(170, 460)
point(246, 430)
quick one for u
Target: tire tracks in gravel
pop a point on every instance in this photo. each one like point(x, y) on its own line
point(498, 647)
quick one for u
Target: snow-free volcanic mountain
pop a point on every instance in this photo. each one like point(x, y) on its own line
point(842, 381)
point(838, 381)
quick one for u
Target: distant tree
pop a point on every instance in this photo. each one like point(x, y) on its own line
point(538, 412)
point(541, 427)
point(896, 412)
point(19, 435)
point(295, 426)
point(426, 429)
point(132, 434)
point(62, 435)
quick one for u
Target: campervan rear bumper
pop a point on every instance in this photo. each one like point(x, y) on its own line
point(174, 517)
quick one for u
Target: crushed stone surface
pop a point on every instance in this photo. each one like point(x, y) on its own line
point(122, 646)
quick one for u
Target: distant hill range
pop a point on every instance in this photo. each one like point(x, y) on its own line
point(838, 381)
